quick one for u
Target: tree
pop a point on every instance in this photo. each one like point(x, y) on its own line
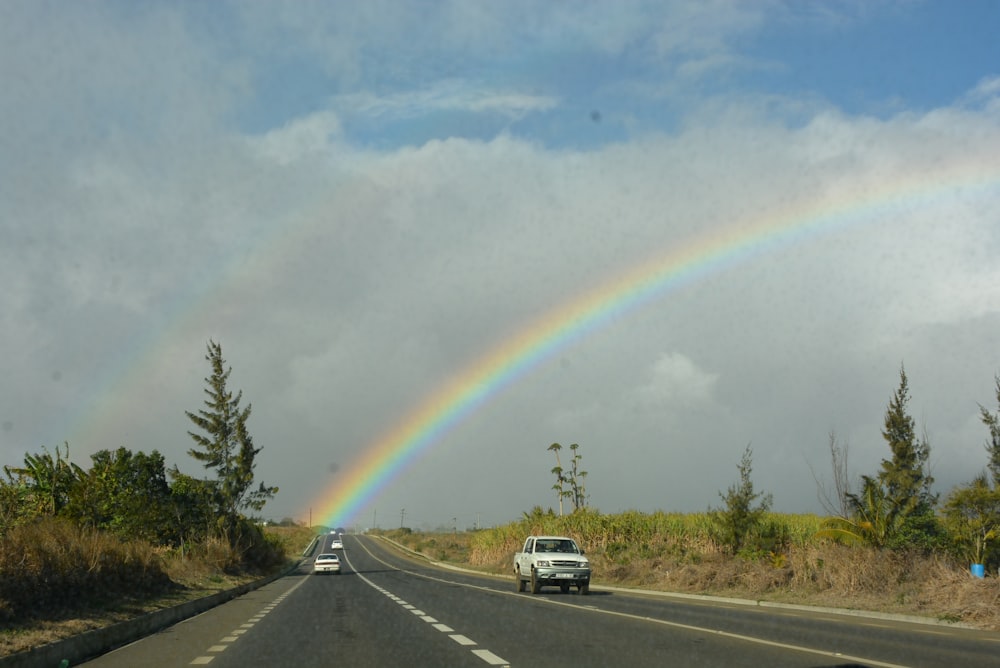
point(574, 479)
point(871, 520)
point(192, 512)
point(46, 480)
point(226, 445)
point(576, 476)
point(906, 477)
point(561, 492)
point(972, 515)
point(972, 511)
point(837, 502)
point(992, 423)
point(125, 493)
point(740, 518)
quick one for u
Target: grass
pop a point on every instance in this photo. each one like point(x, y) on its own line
point(657, 551)
point(58, 580)
point(676, 553)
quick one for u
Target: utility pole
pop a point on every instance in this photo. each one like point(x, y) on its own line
point(374, 518)
point(402, 512)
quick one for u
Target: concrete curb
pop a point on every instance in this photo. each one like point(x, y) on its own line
point(89, 644)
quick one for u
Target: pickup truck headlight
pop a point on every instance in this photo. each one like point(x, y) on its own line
point(542, 563)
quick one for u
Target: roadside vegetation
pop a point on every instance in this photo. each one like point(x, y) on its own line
point(680, 553)
point(81, 547)
point(887, 543)
point(84, 547)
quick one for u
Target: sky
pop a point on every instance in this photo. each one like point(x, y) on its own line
point(463, 231)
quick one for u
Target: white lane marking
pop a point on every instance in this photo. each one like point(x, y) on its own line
point(489, 657)
point(663, 622)
point(235, 634)
point(465, 641)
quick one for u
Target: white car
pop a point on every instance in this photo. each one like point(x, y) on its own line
point(336, 544)
point(326, 563)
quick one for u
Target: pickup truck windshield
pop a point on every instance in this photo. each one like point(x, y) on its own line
point(566, 546)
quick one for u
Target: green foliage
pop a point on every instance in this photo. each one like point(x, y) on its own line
point(14, 504)
point(126, 494)
point(192, 508)
point(226, 446)
point(905, 478)
point(872, 521)
point(258, 552)
point(740, 519)
point(992, 422)
point(895, 508)
point(972, 517)
point(576, 492)
point(46, 481)
point(623, 537)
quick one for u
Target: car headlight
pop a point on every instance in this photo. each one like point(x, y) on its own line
point(543, 563)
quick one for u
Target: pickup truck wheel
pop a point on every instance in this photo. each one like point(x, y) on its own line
point(584, 588)
point(519, 580)
point(536, 586)
point(564, 587)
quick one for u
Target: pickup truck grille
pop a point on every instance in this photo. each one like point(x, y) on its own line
point(565, 564)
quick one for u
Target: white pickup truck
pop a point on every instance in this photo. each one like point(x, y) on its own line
point(554, 561)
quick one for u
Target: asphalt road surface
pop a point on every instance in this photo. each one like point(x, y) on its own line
point(385, 609)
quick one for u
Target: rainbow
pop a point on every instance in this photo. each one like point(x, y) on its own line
point(393, 452)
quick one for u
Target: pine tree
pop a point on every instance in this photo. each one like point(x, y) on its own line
point(905, 476)
point(992, 423)
point(226, 445)
point(734, 524)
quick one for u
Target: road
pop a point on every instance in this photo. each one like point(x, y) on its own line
point(388, 610)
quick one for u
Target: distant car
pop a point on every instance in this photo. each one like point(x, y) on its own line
point(336, 544)
point(326, 563)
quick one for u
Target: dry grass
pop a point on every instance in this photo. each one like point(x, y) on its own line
point(806, 571)
point(42, 551)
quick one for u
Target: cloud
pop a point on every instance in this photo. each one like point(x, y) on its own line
point(311, 135)
point(445, 96)
point(675, 379)
point(351, 275)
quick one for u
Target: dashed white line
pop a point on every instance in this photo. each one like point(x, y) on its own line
point(235, 634)
point(484, 654)
point(490, 658)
